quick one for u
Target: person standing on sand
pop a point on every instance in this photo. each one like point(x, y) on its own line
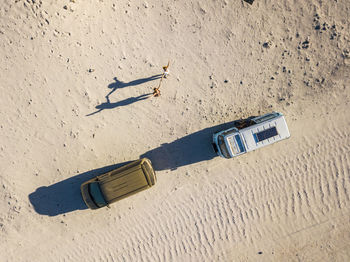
point(156, 92)
point(166, 70)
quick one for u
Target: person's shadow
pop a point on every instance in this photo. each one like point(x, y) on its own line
point(125, 102)
point(119, 84)
point(187, 150)
point(64, 196)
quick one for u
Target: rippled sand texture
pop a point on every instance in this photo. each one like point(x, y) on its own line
point(59, 61)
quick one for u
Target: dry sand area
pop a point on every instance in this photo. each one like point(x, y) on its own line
point(61, 60)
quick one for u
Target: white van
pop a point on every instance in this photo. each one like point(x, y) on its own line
point(249, 134)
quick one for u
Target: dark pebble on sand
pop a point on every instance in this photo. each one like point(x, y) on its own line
point(305, 44)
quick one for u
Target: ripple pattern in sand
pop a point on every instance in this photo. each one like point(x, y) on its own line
point(203, 220)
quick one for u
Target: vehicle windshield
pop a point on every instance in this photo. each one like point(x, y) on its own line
point(222, 146)
point(96, 194)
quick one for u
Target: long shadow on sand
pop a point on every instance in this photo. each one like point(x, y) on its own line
point(64, 196)
point(187, 150)
point(125, 102)
point(119, 84)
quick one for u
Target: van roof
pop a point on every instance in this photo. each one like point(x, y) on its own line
point(123, 183)
point(265, 133)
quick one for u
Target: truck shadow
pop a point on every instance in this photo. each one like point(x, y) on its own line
point(64, 196)
point(187, 150)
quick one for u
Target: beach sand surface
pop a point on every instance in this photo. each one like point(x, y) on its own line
point(75, 76)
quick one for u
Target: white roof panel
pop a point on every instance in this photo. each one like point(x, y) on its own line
point(251, 138)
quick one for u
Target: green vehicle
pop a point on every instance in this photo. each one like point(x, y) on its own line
point(117, 184)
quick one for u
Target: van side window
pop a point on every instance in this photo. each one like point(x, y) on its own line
point(239, 143)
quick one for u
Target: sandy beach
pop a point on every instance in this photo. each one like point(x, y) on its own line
point(76, 78)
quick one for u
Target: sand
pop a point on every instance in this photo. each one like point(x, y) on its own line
point(228, 60)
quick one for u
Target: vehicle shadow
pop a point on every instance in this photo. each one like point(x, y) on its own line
point(187, 150)
point(64, 196)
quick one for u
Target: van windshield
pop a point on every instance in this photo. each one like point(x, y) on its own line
point(223, 146)
point(96, 194)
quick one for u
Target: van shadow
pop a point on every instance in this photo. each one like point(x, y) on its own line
point(187, 150)
point(64, 196)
